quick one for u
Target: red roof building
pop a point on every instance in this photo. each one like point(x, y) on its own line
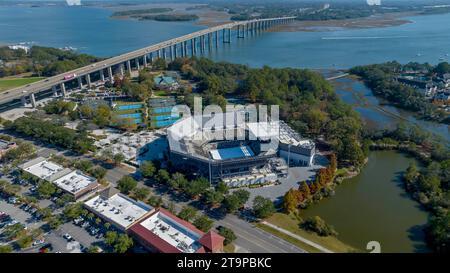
point(164, 232)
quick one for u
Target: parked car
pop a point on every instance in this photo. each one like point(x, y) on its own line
point(67, 237)
point(38, 242)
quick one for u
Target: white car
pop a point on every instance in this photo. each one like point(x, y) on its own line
point(67, 237)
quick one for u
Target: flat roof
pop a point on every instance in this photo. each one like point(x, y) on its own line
point(75, 181)
point(119, 209)
point(168, 233)
point(43, 168)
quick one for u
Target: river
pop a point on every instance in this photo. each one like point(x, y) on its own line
point(370, 206)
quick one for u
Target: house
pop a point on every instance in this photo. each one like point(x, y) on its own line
point(166, 82)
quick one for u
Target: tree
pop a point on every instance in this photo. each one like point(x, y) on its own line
point(290, 201)
point(155, 201)
point(197, 187)
point(147, 169)
point(438, 232)
point(141, 193)
point(118, 158)
point(178, 181)
point(213, 197)
point(163, 176)
point(84, 165)
point(122, 243)
point(203, 223)
point(228, 234)
point(222, 187)
point(187, 213)
point(232, 203)
point(242, 195)
point(318, 225)
point(54, 222)
point(126, 184)
point(45, 189)
point(73, 211)
point(263, 207)
point(111, 237)
point(24, 241)
point(305, 191)
point(6, 249)
point(102, 115)
point(98, 172)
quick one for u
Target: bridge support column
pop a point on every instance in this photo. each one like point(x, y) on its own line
point(102, 75)
point(122, 70)
point(175, 53)
point(145, 60)
point(129, 66)
point(80, 83)
point(110, 74)
point(164, 55)
point(33, 100)
point(171, 53)
point(158, 53)
point(192, 47)
point(229, 35)
point(137, 63)
point(55, 93)
point(217, 38)
point(63, 89)
point(185, 48)
point(209, 41)
point(88, 80)
point(23, 99)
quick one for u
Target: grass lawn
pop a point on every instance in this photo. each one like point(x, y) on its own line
point(160, 93)
point(10, 83)
point(229, 248)
point(291, 224)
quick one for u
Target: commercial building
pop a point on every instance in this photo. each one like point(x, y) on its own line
point(5, 146)
point(117, 209)
point(166, 233)
point(73, 182)
point(41, 168)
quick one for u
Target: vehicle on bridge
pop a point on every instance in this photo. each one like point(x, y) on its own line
point(70, 76)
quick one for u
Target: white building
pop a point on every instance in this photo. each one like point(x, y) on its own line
point(118, 209)
point(41, 168)
point(76, 183)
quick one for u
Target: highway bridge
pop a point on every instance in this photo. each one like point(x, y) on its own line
point(184, 46)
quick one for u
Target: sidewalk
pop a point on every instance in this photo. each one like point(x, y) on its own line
point(306, 241)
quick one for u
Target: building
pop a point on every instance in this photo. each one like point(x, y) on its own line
point(73, 182)
point(160, 112)
point(5, 146)
point(164, 232)
point(41, 168)
point(254, 151)
point(166, 82)
point(117, 209)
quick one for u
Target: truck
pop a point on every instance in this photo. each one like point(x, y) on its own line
point(70, 76)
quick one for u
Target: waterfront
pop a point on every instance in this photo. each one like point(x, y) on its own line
point(375, 192)
point(91, 30)
point(373, 206)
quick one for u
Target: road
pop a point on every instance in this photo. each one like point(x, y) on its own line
point(48, 83)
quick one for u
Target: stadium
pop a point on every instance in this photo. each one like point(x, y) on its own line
point(222, 147)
